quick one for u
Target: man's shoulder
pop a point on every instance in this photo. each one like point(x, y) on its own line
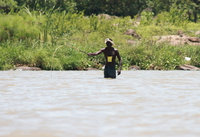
point(115, 49)
point(103, 49)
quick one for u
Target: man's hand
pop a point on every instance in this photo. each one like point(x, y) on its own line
point(89, 54)
point(118, 72)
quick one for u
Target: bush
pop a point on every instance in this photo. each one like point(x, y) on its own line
point(15, 27)
point(40, 41)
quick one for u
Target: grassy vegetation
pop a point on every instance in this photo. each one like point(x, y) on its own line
point(36, 39)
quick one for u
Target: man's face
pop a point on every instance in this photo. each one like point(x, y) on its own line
point(109, 44)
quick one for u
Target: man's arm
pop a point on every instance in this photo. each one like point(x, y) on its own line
point(120, 62)
point(96, 53)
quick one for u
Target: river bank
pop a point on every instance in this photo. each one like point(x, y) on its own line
point(131, 68)
point(41, 41)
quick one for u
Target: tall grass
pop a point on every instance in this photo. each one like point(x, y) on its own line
point(35, 38)
point(161, 56)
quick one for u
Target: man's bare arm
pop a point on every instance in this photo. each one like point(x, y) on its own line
point(96, 53)
point(120, 62)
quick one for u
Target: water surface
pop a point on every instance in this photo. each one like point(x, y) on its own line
point(84, 104)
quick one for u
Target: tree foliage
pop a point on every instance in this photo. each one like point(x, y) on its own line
point(112, 7)
point(7, 5)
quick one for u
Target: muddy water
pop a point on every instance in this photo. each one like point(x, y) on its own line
point(84, 104)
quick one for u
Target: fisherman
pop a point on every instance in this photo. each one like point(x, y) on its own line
point(110, 54)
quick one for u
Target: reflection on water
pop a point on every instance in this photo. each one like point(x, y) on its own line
point(84, 104)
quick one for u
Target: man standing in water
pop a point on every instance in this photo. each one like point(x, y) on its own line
point(110, 54)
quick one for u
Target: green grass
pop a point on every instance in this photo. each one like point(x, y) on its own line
point(35, 39)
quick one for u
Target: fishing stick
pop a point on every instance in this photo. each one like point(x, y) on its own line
point(69, 47)
point(76, 49)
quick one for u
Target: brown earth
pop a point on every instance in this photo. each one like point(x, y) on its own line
point(180, 39)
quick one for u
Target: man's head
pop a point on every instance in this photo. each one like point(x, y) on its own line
point(109, 42)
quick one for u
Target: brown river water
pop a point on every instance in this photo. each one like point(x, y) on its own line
point(84, 104)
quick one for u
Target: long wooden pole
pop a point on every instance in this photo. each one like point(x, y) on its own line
point(76, 49)
point(70, 47)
